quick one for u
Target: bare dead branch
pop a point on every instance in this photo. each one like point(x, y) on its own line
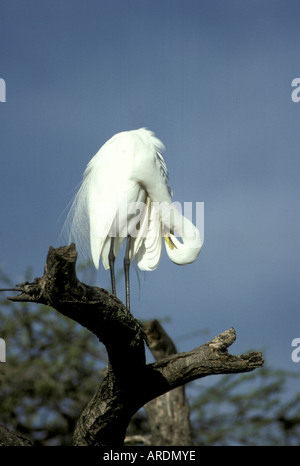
point(129, 382)
point(169, 414)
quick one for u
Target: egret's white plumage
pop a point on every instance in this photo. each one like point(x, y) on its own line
point(125, 193)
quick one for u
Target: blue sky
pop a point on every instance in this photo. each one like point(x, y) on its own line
point(212, 79)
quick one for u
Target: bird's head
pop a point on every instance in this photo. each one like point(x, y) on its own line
point(185, 251)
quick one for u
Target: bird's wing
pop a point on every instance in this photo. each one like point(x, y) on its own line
point(102, 192)
point(149, 168)
point(101, 217)
point(149, 244)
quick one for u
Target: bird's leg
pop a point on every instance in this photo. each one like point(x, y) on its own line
point(111, 260)
point(126, 270)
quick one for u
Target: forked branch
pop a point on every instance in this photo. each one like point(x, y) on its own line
point(129, 382)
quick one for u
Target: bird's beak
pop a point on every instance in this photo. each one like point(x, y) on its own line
point(169, 242)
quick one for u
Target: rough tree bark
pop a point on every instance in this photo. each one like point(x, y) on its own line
point(129, 382)
point(169, 414)
point(9, 438)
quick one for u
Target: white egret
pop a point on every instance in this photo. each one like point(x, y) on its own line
point(125, 195)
